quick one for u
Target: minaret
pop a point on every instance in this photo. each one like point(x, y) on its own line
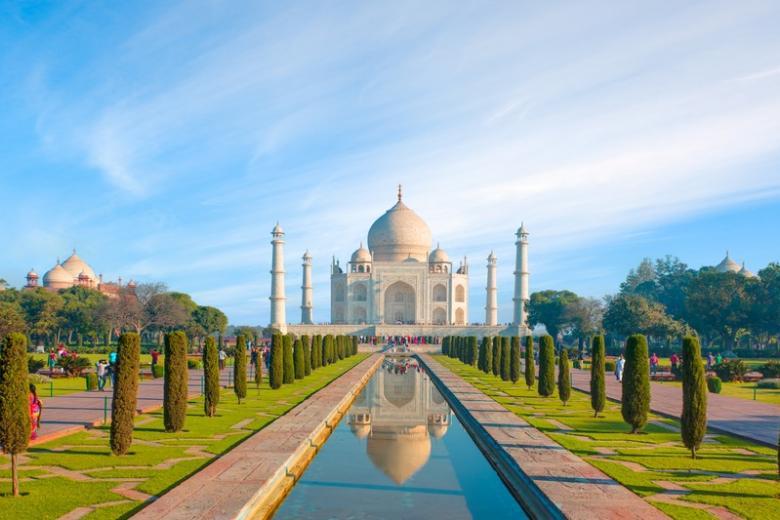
point(520, 315)
point(491, 306)
point(306, 291)
point(278, 318)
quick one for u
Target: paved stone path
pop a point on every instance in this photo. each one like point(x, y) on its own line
point(63, 415)
point(752, 420)
point(578, 489)
point(248, 479)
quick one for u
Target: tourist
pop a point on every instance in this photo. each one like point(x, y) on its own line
point(36, 407)
point(222, 357)
point(619, 366)
point(710, 361)
point(52, 361)
point(674, 359)
point(253, 358)
point(653, 364)
point(61, 350)
point(112, 357)
point(101, 369)
point(155, 357)
point(718, 359)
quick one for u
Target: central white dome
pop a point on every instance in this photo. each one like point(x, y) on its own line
point(399, 234)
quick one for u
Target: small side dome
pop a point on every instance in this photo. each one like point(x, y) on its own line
point(277, 230)
point(361, 255)
point(438, 431)
point(32, 275)
point(57, 276)
point(438, 256)
point(83, 276)
point(747, 273)
point(360, 431)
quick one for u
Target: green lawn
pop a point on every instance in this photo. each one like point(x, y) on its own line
point(747, 481)
point(742, 391)
point(157, 460)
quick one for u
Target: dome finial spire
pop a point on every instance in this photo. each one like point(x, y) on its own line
point(400, 193)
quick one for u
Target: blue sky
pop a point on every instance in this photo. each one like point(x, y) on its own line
point(163, 140)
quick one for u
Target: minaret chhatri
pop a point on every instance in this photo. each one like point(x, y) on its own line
point(520, 315)
point(306, 291)
point(278, 318)
point(491, 305)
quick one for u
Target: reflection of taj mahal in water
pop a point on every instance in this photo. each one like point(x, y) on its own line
point(398, 412)
point(399, 285)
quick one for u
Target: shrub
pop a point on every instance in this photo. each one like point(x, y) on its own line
point(693, 421)
point(610, 366)
point(125, 392)
point(496, 355)
point(194, 364)
point(175, 382)
point(276, 366)
point(91, 380)
point(598, 393)
point(239, 368)
point(288, 362)
point(305, 344)
point(636, 383)
point(33, 365)
point(73, 366)
point(770, 370)
point(38, 379)
point(714, 384)
point(481, 354)
point(327, 349)
point(488, 368)
point(354, 345)
point(472, 354)
point(505, 358)
point(514, 359)
point(211, 375)
point(316, 352)
point(445, 343)
point(14, 403)
point(298, 361)
point(564, 377)
point(732, 370)
point(530, 365)
point(546, 385)
point(770, 384)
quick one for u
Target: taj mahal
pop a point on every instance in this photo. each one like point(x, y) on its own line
point(400, 285)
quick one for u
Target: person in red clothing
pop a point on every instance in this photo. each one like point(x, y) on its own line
point(35, 412)
point(155, 356)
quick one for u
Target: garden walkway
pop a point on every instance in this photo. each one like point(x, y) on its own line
point(751, 420)
point(63, 415)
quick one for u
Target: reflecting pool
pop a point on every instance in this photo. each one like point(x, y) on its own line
point(400, 452)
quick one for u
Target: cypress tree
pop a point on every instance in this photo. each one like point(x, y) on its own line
point(175, 383)
point(530, 364)
point(306, 355)
point(288, 363)
point(456, 353)
point(564, 377)
point(481, 355)
point(444, 344)
point(298, 362)
point(125, 392)
point(636, 383)
point(505, 358)
point(546, 366)
point(259, 368)
point(514, 357)
point(327, 350)
point(473, 350)
point(693, 422)
point(496, 355)
point(343, 347)
point(316, 352)
point(488, 367)
point(211, 375)
point(14, 403)
point(276, 366)
point(239, 368)
point(598, 393)
point(354, 345)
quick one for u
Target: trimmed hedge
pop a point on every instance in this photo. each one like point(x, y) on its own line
point(714, 384)
point(123, 405)
point(91, 380)
point(158, 371)
point(175, 382)
point(14, 403)
point(635, 404)
point(546, 386)
point(211, 377)
point(598, 392)
point(530, 364)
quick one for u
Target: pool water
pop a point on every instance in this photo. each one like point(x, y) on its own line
point(400, 453)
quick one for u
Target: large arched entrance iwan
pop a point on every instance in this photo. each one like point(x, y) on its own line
point(400, 303)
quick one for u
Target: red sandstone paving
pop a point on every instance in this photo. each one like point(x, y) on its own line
point(225, 486)
point(750, 419)
point(580, 490)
